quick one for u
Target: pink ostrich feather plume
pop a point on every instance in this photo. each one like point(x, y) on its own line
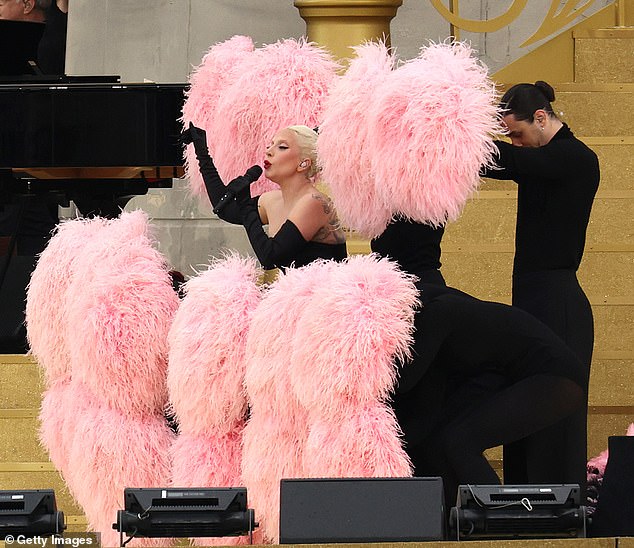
point(364, 443)
point(272, 451)
point(208, 80)
point(211, 460)
point(431, 129)
point(111, 451)
point(47, 296)
point(596, 465)
point(207, 459)
point(272, 335)
point(207, 342)
point(62, 404)
point(276, 431)
point(342, 145)
point(280, 84)
point(348, 361)
point(120, 315)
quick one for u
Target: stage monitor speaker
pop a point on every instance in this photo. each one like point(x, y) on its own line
point(361, 510)
point(491, 512)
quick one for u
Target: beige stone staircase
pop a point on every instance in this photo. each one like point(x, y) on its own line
point(24, 463)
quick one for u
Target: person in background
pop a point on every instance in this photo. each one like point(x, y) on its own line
point(557, 177)
point(51, 52)
point(24, 10)
point(302, 223)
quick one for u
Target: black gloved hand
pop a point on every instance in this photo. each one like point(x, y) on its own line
point(194, 135)
point(240, 188)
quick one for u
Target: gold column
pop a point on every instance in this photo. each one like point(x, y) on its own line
point(339, 24)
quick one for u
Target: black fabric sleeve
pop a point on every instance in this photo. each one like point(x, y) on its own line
point(278, 251)
point(548, 161)
point(216, 189)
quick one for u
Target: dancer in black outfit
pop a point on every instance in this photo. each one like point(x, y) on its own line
point(414, 246)
point(447, 424)
point(557, 177)
point(302, 220)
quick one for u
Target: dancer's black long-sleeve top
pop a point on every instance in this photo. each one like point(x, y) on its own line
point(557, 183)
point(288, 246)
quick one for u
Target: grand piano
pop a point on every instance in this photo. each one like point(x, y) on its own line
point(94, 140)
point(83, 140)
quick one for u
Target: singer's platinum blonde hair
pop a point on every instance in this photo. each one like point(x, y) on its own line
point(307, 142)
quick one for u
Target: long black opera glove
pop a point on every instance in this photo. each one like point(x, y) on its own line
point(216, 189)
point(278, 251)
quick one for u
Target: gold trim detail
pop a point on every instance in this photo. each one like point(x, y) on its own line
point(556, 19)
point(473, 25)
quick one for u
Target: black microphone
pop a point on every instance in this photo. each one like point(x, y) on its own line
point(238, 185)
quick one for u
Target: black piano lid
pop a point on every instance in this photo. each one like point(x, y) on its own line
point(87, 124)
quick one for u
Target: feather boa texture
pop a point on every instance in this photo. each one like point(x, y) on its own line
point(342, 144)
point(269, 88)
point(207, 344)
point(427, 128)
point(205, 376)
point(324, 391)
point(206, 84)
point(120, 315)
point(102, 415)
point(48, 294)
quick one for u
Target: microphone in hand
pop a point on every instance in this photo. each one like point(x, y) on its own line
point(238, 188)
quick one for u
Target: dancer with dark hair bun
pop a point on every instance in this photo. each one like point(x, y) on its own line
point(557, 177)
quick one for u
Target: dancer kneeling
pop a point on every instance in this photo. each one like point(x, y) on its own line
point(448, 417)
point(303, 225)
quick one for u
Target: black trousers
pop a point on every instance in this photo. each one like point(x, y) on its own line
point(556, 298)
point(532, 381)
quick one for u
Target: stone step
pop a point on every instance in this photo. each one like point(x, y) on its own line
point(602, 110)
point(486, 272)
point(489, 218)
point(594, 46)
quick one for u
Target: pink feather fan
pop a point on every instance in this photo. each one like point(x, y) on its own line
point(407, 142)
point(342, 145)
point(207, 343)
point(47, 296)
point(276, 433)
point(206, 376)
point(120, 315)
point(343, 369)
point(207, 82)
point(431, 129)
point(114, 450)
point(275, 86)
